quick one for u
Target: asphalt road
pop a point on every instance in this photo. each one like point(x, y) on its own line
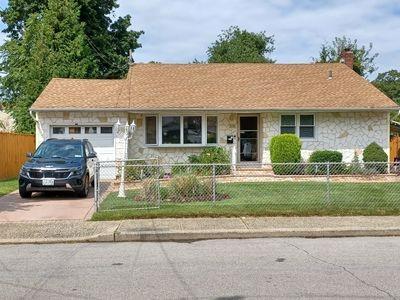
point(218, 269)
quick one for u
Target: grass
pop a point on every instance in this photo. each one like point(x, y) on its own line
point(267, 199)
point(8, 186)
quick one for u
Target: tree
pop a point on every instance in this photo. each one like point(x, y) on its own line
point(52, 45)
point(110, 41)
point(389, 83)
point(364, 60)
point(240, 46)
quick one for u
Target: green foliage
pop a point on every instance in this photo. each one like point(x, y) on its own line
point(110, 38)
point(53, 45)
point(241, 46)
point(52, 38)
point(211, 155)
point(285, 148)
point(325, 156)
point(364, 60)
point(188, 187)
point(389, 83)
point(375, 153)
point(139, 172)
point(355, 166)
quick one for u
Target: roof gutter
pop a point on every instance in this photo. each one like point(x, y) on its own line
point(310, 109)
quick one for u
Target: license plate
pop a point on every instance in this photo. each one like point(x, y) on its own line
point(47, 181)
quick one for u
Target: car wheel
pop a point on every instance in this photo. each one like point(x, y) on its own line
point(23, 192)
point(84, 192)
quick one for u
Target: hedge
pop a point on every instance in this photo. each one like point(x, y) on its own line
point(285, 148)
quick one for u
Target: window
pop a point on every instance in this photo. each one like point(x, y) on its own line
point(303, 125)
point(171, 130)
point(90, 130)
point(192, 130)
point(288, 124)
point(212, 124)
point(58, 130)
point(74, 130)
point(151, 130)
point(306, 129)
point(106, 129)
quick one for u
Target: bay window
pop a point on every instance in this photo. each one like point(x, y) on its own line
point(171, 129)
point(180, 130)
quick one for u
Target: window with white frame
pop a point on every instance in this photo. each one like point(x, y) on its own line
point(178, 130)
point(303, 125)
point(306, 128)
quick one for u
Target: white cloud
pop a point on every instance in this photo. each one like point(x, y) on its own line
point(180, 30)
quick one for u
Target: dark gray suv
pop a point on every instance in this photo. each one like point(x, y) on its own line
point(59, 165)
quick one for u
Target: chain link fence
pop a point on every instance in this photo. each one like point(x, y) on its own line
point(144, 187)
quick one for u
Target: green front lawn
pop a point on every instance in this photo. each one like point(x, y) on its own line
point(267, 199)
point(8, 186)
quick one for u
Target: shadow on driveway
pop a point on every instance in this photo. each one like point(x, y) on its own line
point(45, 206)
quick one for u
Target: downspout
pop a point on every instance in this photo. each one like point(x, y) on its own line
point(39, 126)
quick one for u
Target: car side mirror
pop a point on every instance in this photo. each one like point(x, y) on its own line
point(29, 154)
point(92, 155)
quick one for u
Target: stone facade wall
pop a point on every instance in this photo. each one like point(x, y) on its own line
point(346, 132)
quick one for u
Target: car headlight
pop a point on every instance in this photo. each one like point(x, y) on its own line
point(23, 171)
point(78, 171)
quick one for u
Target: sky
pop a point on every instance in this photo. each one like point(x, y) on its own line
point(178, 31)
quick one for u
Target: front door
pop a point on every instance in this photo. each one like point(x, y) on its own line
point(248, 138)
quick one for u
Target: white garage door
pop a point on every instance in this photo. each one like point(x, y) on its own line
point(101, 137)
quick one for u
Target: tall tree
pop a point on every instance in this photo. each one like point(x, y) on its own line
point(364, 60)
point(53, 45)
point(110, 41)
point(389, 83)
point(241, 46)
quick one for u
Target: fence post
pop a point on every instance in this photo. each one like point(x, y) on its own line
point(159, 171)
point(96, 186)
point(213, 183)
point(328, 187)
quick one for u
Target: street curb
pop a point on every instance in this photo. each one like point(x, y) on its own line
point(153, 236)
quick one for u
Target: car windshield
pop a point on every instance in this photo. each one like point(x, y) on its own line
point(59, 150)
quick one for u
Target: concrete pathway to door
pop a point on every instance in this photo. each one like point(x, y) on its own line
point(48, 206)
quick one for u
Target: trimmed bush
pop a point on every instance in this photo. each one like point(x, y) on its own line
point(325, 156)
point(139, 172)
point(285, 148)
point(375, 153)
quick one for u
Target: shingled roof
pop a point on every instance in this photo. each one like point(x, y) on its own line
point(219, 87)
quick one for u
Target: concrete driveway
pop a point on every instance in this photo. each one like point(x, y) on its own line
point(45, 206)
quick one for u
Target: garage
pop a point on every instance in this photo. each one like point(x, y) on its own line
point(101, 137)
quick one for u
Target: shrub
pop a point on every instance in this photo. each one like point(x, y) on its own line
point(187, 187)
point(375, 153)
point(142, 170)
point(285, 148)
point(323, 157)
point(355, 166)
point(211, 155)
point(150, 190)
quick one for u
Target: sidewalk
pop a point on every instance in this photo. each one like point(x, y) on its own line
point(195, 229)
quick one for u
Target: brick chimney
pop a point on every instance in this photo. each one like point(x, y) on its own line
point(347, 57)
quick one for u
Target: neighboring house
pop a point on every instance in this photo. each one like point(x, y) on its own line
point(6, 121)
point(181, 108)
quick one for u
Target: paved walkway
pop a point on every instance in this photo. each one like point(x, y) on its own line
point(65, 206)
point(196, 229)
